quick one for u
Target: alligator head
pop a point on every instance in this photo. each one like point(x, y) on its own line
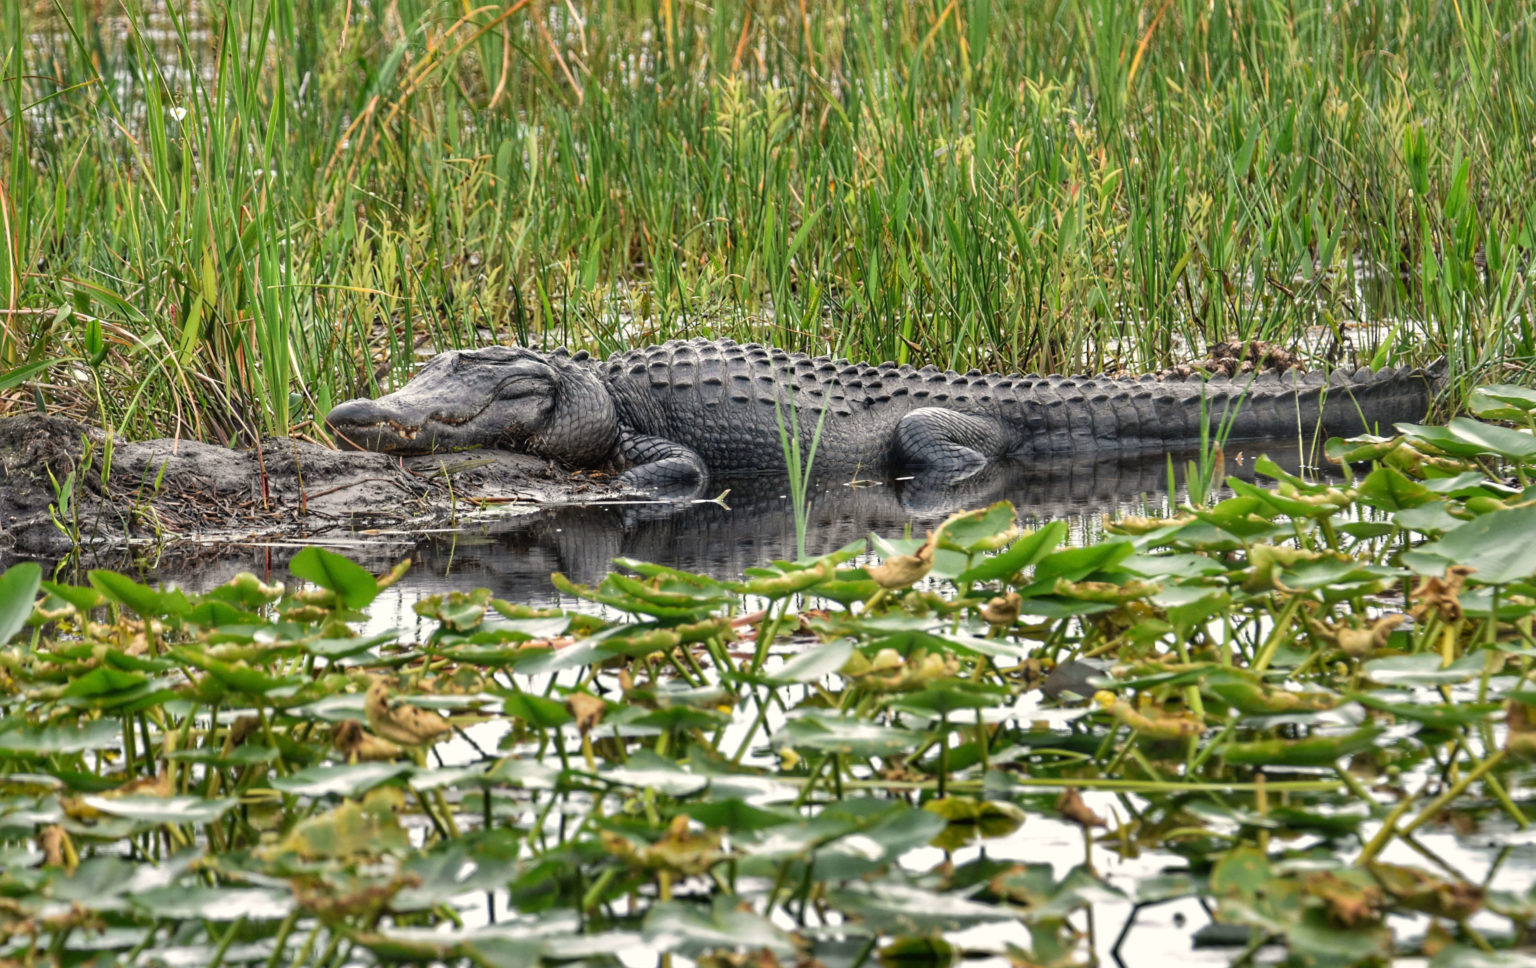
point(500, 396)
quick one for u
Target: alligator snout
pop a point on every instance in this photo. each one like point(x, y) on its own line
point(365, 425)
point(346, 419)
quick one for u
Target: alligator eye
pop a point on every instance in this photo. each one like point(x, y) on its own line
point(523, 385)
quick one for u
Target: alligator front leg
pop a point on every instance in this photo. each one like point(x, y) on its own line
point(661, 466)
point(938, 442)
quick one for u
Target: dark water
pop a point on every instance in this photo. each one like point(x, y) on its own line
point(514, 555)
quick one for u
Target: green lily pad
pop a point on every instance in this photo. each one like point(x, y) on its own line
point(691, 929)
point(152, 809)
point(897, 908)
point(1025, 551)
point(839, 734)
point(1424, 669)
point(343, 781)
point(18, 592)
point(94, 735)
point(1500, 547)
point(189, 901)
point(353, 586)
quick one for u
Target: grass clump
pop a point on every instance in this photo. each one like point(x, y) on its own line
point(222, 217)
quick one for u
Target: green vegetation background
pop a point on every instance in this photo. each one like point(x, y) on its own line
point(222, 218)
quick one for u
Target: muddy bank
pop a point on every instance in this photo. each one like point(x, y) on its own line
point(61, 484)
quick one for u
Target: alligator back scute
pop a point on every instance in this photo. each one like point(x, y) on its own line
point(736, 404)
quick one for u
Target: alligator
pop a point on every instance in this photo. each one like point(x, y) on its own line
point(672, 416)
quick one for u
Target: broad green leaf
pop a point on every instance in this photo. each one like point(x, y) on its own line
point(816, 662)
point(1024, 552)
point(1424, 669)
point(538, 711)
point(1312, 751)
point(899, 909)
point(1390, 490)
point(693, 929)
point(1512, 444)
point(82, 599)
point(104, 681)
point(342, 780)
point(365, 828)
point(196, 902)
point(1437, 715)
point(1501, 547)
point(948, 698)
point(352, 584)
point(153, 809)
point(1466, 956)
point(146, 601)
point(237, 676)
point(734, 814)
point(1443, 439)
point(94, 735)
point(647, 771)
point(1242, 871)
point(845, 734)
point(1075, 564)
point(982, 530)
point(1502, 401)
point(18, 592)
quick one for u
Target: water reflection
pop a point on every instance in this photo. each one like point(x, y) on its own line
point(515, 555)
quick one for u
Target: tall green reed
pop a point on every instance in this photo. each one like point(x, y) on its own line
point(261, 221)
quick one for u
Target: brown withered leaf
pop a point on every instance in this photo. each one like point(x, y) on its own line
point(587, 708)
point(899, 571)
point(1071, 806)
point(761, 958)
point(1347, 903)
point(1436, 939)
point(890, 671)
point(53, 841)
point(239, 731)
point(1441, 596)
point(334, 902)
point(158, 785)
point(1420, 890)
point(1521, 720)
point(399, 721)
point(358, 745)
point(1357, 643)
point(1158, 725)
point(680, 850)
point(1003, 610)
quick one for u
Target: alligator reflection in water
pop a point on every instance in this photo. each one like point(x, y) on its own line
point(515, 557)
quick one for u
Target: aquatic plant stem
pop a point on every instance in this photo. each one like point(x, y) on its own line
point(1277, 635)
point(1431, 810)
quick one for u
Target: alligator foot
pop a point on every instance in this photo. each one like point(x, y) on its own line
point(940, 443)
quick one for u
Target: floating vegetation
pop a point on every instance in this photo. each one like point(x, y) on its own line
point(1283, 698)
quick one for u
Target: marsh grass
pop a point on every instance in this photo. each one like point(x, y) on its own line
point(244, 211)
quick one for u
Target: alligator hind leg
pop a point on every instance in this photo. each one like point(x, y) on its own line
point(663, 467)
point(937, 442)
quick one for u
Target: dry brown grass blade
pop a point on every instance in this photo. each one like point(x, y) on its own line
point(429, 63)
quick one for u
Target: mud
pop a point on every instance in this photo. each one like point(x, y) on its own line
point(62, 484)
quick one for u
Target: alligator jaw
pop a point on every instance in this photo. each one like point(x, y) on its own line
point(364, 425)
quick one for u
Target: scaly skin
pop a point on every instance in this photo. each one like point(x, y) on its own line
point(677, 414)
